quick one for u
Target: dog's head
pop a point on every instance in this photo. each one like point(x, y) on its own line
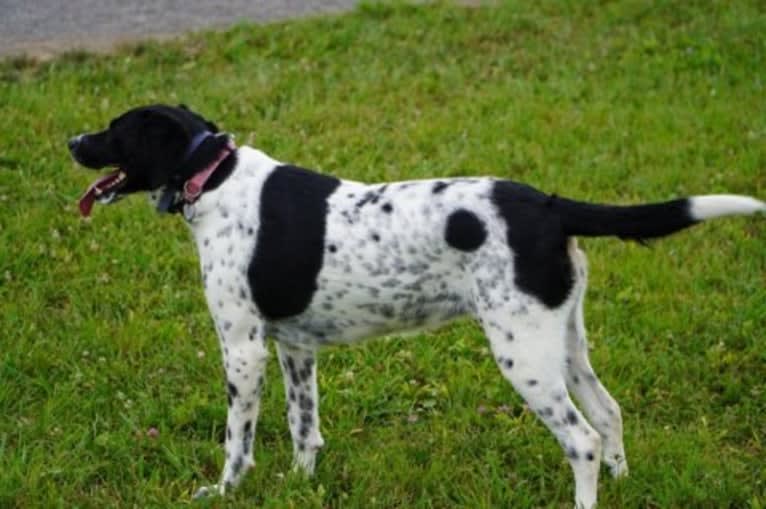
point(153, 148)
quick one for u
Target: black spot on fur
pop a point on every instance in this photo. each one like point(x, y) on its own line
point(305, 403)
point(368, 197)
point(589, 456)
point(572, 454)
point(305, 423)
point(372, 196)
point(305, 372)
point(232, 392)
point(571, 418)
point(465, 231)
point(290, 244)
point(537, 239)
point(293, 373)
point(236, 467)
point(439, 187)
point(387, 208)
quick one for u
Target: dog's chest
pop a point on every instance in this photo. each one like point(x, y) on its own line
point(225, 226)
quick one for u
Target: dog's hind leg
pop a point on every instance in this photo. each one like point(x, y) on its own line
point(529, 350)
point(600, 407)
point(299, 373)
point(245, 356)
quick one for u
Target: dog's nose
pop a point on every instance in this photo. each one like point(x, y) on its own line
point(74, 142)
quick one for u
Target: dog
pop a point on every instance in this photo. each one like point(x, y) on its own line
point(309, 260)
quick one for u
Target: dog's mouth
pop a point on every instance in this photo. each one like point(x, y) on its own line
point(104, 190)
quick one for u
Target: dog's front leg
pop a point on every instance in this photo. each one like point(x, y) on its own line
point(245, 356)
point(299, 373)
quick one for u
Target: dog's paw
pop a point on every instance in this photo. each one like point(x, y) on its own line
point(304, 463)
point(618, 465)
point(208, 491)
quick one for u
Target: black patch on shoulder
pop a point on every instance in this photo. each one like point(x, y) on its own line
point(535, 235)
point(465, 231)
point(288, 255)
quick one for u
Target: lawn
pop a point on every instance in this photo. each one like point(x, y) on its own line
point(111, 384)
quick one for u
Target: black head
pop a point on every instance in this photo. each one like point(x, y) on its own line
point(153, 148)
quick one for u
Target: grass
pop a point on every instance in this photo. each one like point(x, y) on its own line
point(105, 334)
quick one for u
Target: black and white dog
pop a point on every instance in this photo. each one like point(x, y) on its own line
point(308, 260)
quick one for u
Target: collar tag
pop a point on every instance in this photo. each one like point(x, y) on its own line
point(166, 200)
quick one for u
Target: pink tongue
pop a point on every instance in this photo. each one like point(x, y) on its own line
point(86, 202)
point(89, 198)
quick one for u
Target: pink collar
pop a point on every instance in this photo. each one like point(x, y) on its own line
point(193, 187)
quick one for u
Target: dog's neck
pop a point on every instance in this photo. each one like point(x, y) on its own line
point(208, 162)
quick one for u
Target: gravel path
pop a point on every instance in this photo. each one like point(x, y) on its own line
point(42, 28)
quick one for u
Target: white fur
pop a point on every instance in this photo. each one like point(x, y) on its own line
point(717, 205)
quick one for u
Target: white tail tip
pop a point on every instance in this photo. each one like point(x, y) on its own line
point(716, 205)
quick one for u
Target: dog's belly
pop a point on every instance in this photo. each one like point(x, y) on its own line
point(347, 308)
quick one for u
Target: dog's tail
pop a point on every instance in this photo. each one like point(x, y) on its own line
point(649, 221)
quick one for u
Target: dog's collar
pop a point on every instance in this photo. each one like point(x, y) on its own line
point(193, 187)
point(194, 144)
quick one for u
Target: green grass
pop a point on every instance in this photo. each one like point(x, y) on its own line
point(103, 327)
